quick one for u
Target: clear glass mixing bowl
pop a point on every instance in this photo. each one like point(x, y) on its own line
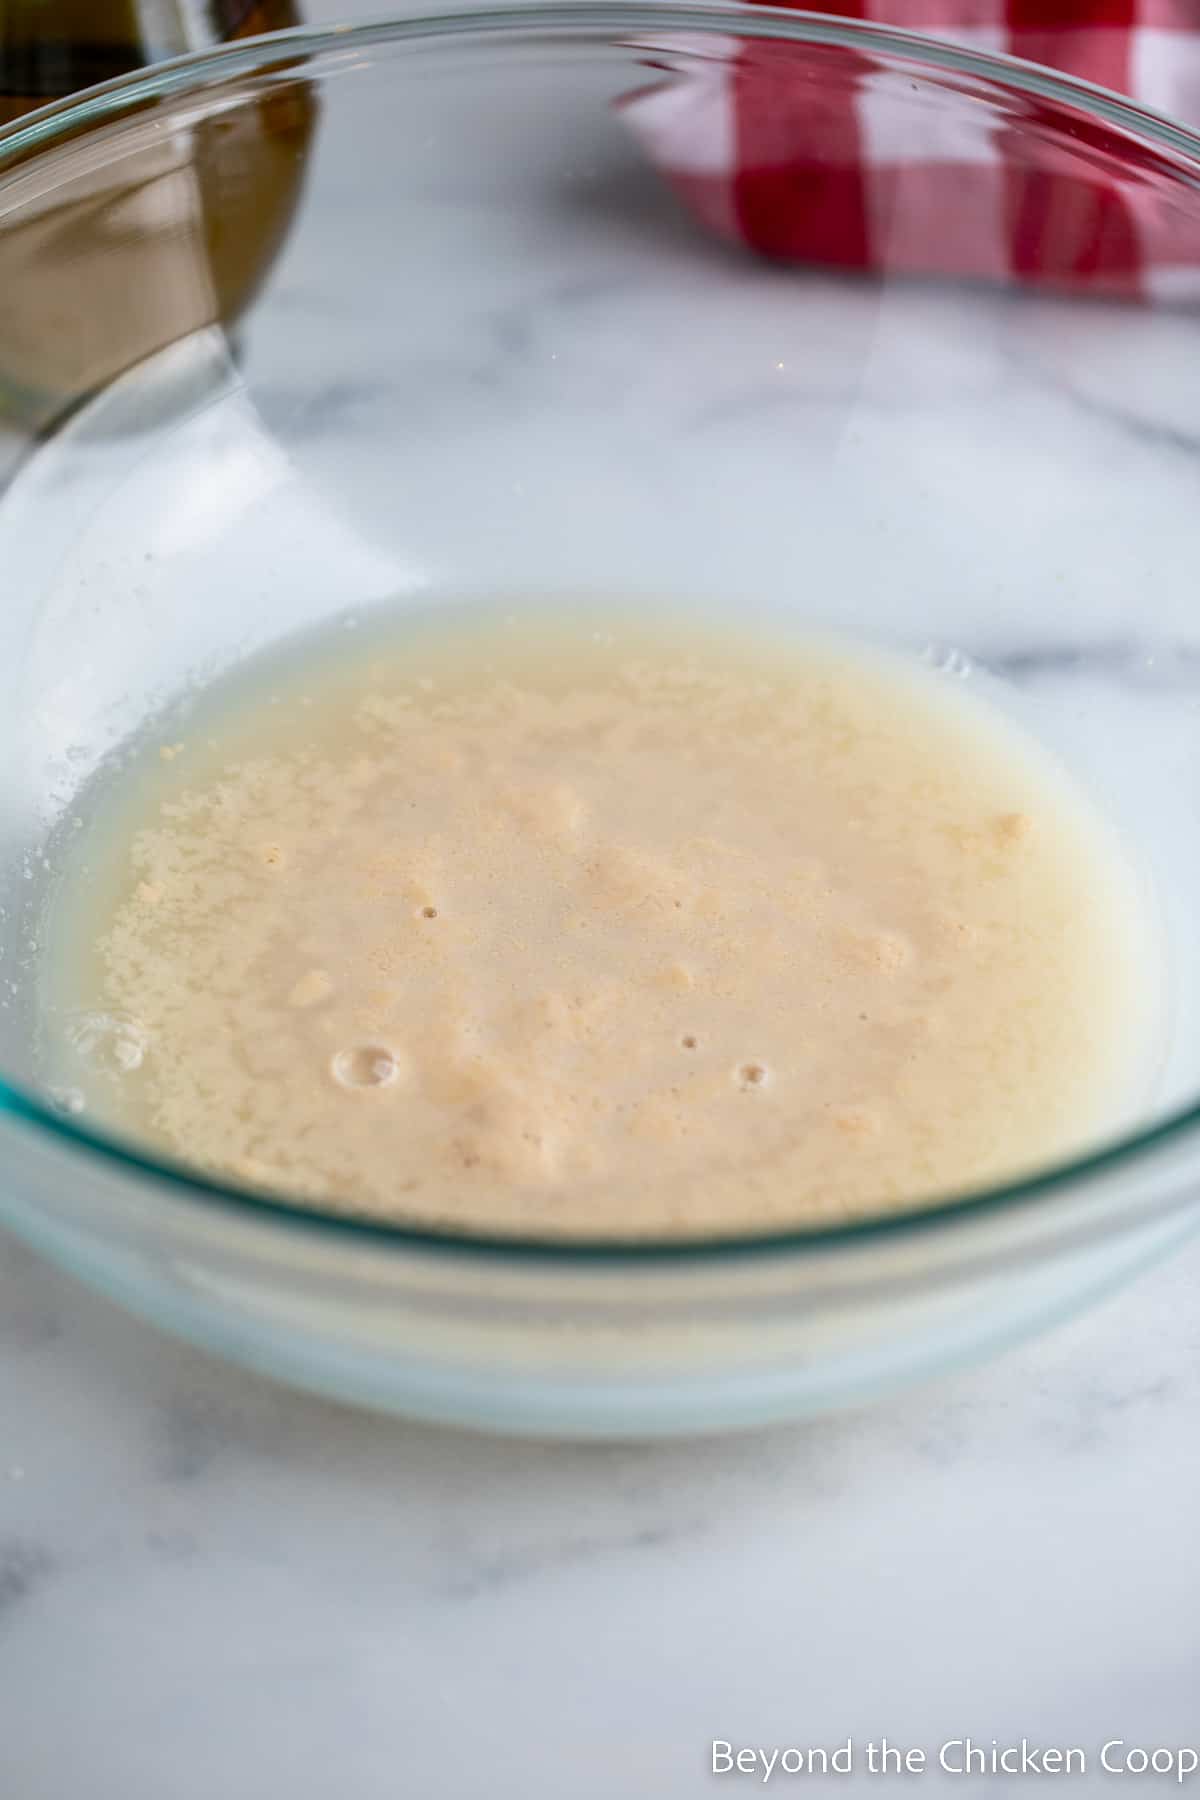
point(495, 353)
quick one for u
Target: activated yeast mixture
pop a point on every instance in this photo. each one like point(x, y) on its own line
point(598, 928)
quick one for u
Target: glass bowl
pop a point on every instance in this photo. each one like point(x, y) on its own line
point(407, 313)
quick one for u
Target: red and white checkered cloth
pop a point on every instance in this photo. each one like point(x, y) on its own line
point(821, 154)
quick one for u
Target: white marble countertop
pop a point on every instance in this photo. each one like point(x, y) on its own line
point(210, 1586)
point(214, 1589)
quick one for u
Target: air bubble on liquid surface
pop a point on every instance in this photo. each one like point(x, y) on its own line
point(108, 1041)
point(65, 1099)
point(946, 659)
point(364, 1066)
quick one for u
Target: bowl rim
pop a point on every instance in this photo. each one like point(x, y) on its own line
point(51, 125)
point(46, 125)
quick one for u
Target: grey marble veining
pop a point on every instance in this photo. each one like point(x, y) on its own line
point(214, 1589)
point(228, 1588)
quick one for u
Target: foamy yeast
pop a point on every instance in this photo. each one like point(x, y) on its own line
point(602, 929)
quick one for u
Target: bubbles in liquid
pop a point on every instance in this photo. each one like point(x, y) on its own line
point(365, 1066)
point(65, 1099)
point(108, 1041)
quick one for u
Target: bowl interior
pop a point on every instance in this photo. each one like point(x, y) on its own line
point(472, 341)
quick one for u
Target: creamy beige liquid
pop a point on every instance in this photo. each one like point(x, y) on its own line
point(601, 927)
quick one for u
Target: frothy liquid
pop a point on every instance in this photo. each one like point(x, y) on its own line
point(603, 928)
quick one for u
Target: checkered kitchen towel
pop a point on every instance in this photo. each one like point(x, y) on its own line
point(821, 154)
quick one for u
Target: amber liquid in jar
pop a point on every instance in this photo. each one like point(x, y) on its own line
point(175, 236)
